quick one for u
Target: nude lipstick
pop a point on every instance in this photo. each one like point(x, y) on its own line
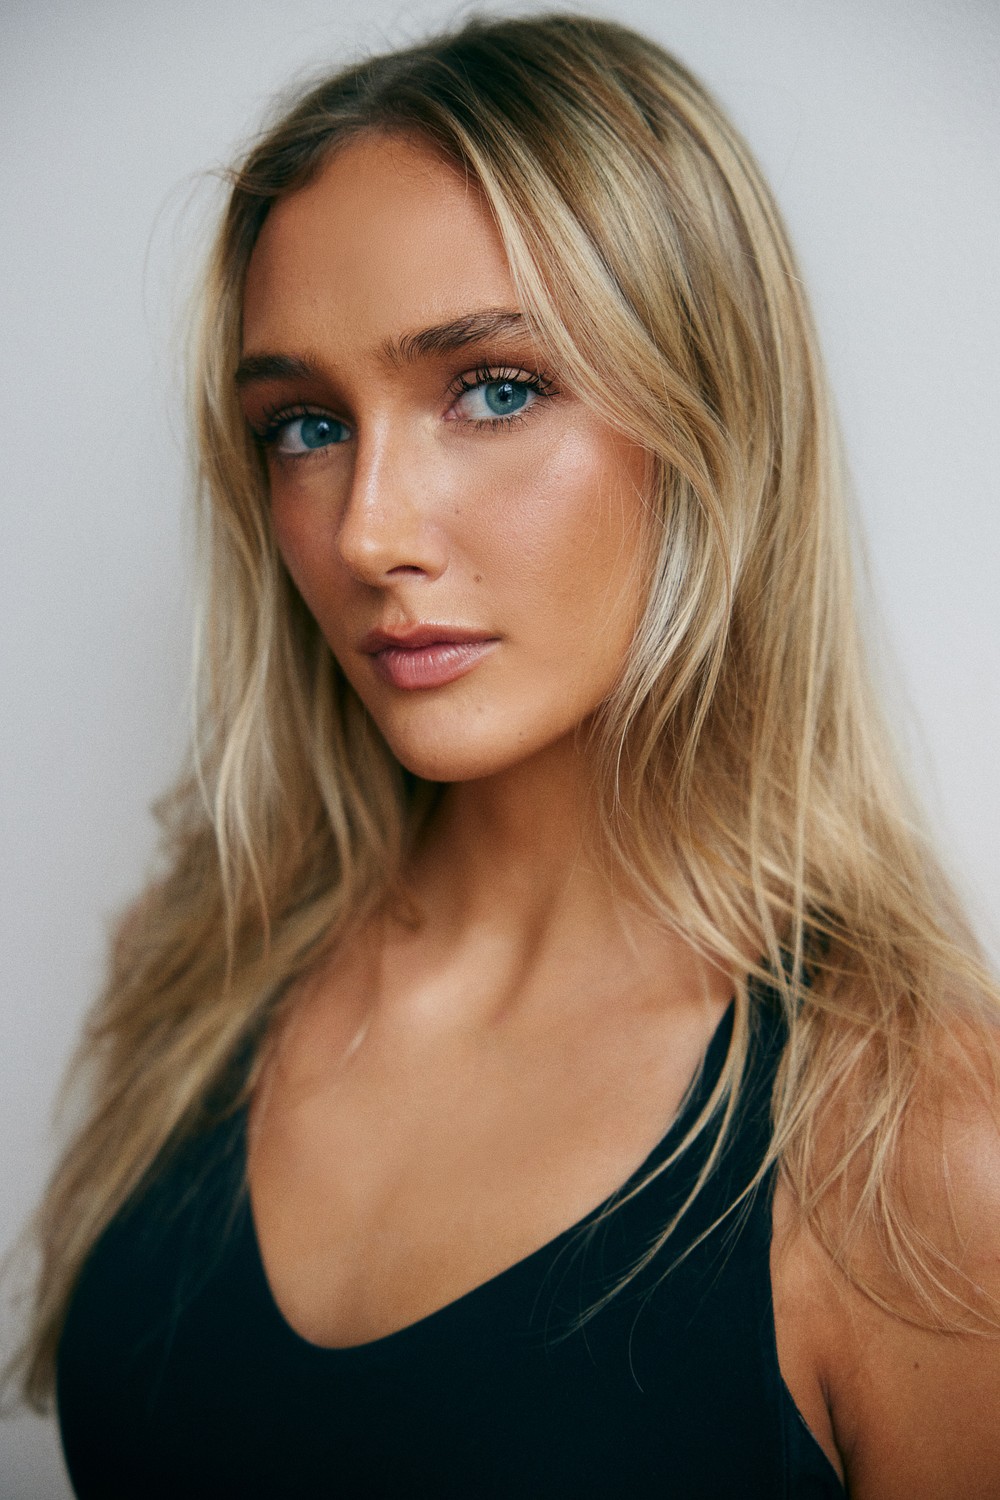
point(425, 656)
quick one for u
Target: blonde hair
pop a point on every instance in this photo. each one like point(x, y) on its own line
point(747, 784)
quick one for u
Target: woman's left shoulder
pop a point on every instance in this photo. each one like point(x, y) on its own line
point(908, 1348)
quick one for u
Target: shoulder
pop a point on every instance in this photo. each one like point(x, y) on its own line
point(903, 1336)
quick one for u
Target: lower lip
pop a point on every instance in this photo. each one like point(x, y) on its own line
point(429, 666)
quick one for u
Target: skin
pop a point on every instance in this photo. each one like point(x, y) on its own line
point(445, 1097)
point(530, 533)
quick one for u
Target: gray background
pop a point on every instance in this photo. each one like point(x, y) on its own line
point(878, 124)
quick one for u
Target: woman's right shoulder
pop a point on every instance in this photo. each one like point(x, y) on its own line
point(889, 1300)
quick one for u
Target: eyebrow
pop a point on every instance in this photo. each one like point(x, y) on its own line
point(254, 367)
point(441, 338)
point(445, 338)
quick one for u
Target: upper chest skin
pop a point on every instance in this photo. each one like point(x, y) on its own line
point(396, 1164)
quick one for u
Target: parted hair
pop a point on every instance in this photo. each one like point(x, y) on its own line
point(746, 782)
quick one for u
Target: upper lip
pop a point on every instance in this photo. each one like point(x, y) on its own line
point(412, 637)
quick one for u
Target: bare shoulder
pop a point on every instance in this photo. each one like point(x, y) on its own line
point(911, 1386)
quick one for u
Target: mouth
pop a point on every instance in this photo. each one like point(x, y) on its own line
point(426, 656)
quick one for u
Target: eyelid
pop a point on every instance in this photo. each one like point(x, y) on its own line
point(538, 379)
point(275, 422)
point(274, 418)
point(538, 383)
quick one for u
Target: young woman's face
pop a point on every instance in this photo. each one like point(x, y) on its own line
point(465, 531)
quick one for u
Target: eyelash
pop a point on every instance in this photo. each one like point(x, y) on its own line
point(540, 382)
point(276, 418)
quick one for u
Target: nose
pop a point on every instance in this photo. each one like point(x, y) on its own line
point(390, 526)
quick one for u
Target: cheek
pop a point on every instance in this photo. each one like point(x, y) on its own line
point(568, 531)
point(306, 539)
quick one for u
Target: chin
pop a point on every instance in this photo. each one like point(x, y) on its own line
point(463, 752)
point(452, 762)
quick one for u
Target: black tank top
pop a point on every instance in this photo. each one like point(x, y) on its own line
point(178, 1375)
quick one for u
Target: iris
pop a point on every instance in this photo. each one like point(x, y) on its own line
point(505, 396)
point(317, 431)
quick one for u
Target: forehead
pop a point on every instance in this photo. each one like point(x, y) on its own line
point(388, 236)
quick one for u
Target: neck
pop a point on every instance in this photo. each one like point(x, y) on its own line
point(509, 848)
point(507, 875)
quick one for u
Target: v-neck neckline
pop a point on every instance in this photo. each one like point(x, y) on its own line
point(438, 1319)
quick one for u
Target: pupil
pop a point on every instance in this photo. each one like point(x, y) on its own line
point(505, 395)
point(316, 431)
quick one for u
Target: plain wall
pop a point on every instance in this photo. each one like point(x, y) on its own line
point(877, 122)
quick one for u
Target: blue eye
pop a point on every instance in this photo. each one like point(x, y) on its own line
point(505, 396)
point(497, 398)
point(305, 434)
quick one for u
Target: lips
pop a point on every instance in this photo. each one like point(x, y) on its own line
point(426, 656)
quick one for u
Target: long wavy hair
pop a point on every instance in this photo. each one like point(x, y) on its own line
point(747, 782)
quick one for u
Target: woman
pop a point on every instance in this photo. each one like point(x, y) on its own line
point(550, 1063)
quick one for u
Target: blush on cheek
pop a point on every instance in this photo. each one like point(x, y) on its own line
point(577, 527)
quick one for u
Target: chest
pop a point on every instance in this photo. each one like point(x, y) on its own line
point(181, 1373)
point(390, 1187)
